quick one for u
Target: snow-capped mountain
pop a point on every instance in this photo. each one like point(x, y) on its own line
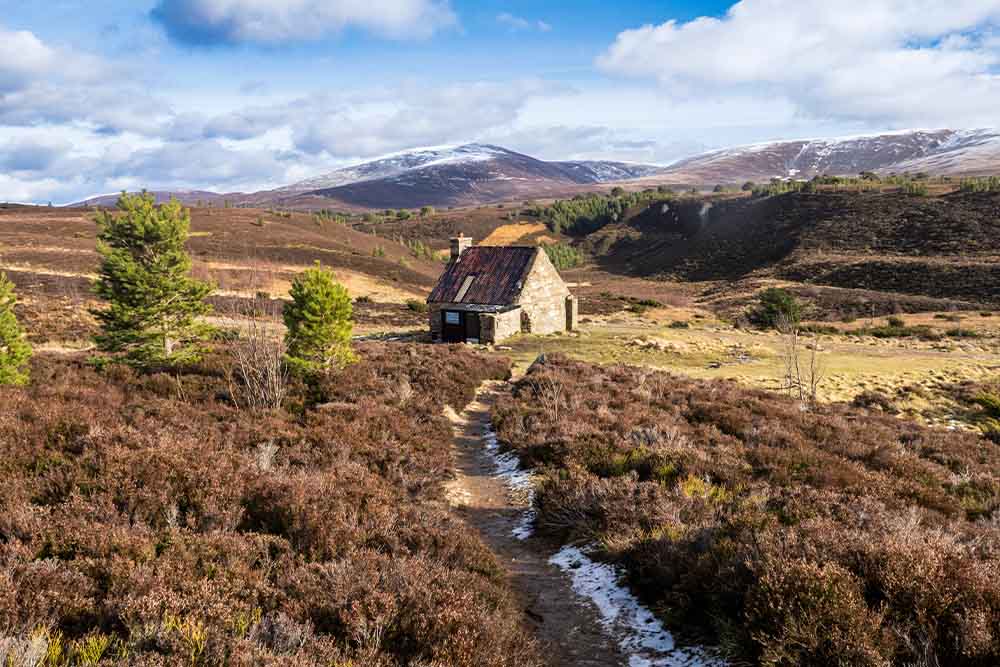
point(475, 174)
point(473, 155)
point(396, 164)
point(592, 171)
point(940, 152)
point(462, 175)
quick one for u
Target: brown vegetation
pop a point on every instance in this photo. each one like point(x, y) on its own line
point(787, 534)
point(146, 519)
point(942, 247)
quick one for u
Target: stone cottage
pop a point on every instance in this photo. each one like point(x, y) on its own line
point(489, 293)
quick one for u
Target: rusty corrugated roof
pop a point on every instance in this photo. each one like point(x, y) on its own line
point(497, 272)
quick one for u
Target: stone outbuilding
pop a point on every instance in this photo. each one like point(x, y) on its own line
point(489, 293)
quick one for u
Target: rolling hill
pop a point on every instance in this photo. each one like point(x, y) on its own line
point(465, 175)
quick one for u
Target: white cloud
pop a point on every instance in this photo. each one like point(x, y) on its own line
point(67, 134)
point(520, 23)
point(283, 21)
point(370, 122)
point(25, 59)
point(22, 56)
point(882, 61)
point(413, 115)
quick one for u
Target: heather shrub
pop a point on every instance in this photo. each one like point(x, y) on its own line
point(148, 511)
point(829, 536)
point(803, 612)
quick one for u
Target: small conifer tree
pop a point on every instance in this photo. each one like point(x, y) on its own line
point(14, 349)
point(153, 302)
point(777, 306)
point(318, 321)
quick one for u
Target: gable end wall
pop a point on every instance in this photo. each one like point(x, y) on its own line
point(543, 297)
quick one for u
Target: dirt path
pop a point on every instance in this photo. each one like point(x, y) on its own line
point(567, 626)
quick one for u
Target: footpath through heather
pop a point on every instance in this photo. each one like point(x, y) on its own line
point(575, 606)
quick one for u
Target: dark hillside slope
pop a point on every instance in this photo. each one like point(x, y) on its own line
point(943, 247)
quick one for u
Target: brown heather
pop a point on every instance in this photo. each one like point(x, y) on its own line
point(786, 534)
point(145, 520)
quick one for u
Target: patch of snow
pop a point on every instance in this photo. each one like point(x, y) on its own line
point(639, 633)
point(507, 466)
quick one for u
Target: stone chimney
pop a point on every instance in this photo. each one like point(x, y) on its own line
point(460, 244)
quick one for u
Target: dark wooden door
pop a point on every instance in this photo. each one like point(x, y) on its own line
point(452, 326)
point(471, 326)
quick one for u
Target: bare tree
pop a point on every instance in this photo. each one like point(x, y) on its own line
point(802, 378)
point(816, 370)
point(789, 353)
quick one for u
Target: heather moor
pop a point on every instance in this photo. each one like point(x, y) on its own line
point(440, 333)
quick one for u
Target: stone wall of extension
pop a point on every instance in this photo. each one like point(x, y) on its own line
point(497, 327)
point(572, 313)
point(543, 298)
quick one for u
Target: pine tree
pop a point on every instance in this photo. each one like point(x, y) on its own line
point(153, 302)
point(318, 321)
point(14, 349)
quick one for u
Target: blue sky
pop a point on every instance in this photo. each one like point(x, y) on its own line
point(249, 94)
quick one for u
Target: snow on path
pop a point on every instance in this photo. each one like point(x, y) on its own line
point(508, 467)
point(640, 635)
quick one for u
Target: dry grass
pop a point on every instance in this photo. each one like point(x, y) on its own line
point(918, 375)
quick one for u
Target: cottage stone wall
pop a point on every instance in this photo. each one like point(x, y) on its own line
point(543, 298)
point(497, 327)
point(434, 318)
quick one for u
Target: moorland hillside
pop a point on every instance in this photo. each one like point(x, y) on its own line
point(945, 247)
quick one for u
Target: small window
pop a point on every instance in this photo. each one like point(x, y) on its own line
point(451, 317)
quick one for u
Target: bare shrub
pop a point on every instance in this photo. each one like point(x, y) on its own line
point(259, 355)
point(549, 394)
point(265, 455)
point(802, 376)
point(280, 634)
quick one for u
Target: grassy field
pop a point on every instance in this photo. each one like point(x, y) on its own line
point(918, 376)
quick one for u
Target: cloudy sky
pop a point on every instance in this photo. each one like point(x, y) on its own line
point(241, 95)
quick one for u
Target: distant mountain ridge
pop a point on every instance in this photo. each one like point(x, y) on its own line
point(937, 152)
point(475, 174)
point(465, 175)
